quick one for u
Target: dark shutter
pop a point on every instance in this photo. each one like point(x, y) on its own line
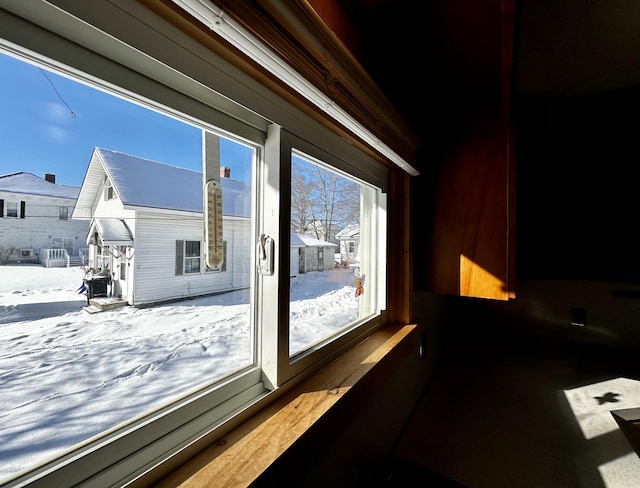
point(23, 205)
point(224, 255)
point(1, 208)
point(179, 257)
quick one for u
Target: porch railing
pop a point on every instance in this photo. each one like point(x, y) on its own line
point(54, 258)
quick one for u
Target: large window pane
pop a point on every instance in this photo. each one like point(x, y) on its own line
point(332, 260)
point(68, 375)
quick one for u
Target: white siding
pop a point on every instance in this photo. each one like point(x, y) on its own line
point(41, 223)
point(155, 238)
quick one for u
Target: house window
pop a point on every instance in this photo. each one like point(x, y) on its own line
point(352, 247)
point(12, 209)
point(191, 257)
point(109, 193)
point(188, 257)
point(247, 342)
point(63, 213)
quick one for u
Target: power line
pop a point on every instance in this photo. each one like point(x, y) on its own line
point(73, 114)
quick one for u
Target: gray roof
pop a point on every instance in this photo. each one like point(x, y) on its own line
point(30, 184)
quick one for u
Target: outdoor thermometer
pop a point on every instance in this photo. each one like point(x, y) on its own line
point(213, 224)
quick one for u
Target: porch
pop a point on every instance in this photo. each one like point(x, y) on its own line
point(59, 258)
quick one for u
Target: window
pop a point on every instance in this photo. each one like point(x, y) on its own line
point(191, 257)
point(281, 328)
point(352, 247)
point(63, 213)
point(109, 194)
point(12, 209)
point(327, 200)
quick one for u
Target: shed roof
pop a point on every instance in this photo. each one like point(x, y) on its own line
point(311, 241)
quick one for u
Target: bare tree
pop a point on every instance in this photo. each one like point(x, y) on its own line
point(322, 201)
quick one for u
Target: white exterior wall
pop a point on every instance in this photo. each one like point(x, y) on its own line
point(41, 223)
point(309, 259)
point(154, 259)
point(350, 257)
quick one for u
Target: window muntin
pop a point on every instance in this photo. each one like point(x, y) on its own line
point(12, 209)
point(63, 213)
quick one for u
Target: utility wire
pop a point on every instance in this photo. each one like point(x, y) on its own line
point(73, 114)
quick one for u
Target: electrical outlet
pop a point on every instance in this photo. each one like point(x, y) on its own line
point(422, 348)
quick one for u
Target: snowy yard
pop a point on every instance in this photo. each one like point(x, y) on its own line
point(66, 375)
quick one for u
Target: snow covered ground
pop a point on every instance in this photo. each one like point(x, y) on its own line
point(67, 375)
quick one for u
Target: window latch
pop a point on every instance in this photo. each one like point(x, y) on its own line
point(265, 254)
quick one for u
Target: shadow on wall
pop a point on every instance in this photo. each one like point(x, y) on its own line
point(598, 313)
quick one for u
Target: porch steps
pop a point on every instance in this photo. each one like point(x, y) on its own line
point(104, 303)
point(75, 261)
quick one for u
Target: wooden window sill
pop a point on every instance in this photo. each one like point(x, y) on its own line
point(241, 456)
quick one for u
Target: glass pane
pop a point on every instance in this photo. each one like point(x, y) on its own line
point(327, 276)
point(192, 249)
point(68, 375)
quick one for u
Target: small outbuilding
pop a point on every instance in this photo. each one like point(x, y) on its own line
point(316, 255)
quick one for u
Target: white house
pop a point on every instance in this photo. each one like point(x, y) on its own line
point(35, 220)
point(147, 228)
point(349, 239)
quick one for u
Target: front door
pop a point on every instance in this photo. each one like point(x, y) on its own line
point(63, 243)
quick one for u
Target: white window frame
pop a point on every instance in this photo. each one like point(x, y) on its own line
point(190, 259)
point(63, 212)
point(109, 192)
point(183, 79)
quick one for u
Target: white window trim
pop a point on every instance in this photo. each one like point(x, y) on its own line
point(191, 258)
point(183, 67)
point(213, 17)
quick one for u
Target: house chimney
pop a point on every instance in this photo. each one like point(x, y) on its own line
point(225, 172)
point(50, 177)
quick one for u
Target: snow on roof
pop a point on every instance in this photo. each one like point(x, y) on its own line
point(142, 182)
point(351, 230)
point(30, 184)
point(295, 240)
point(309, 240)
point(113, 232)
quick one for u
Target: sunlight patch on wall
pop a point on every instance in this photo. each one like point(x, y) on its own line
point(592, 404)
point(478, 282)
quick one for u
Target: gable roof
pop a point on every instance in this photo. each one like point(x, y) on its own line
point(350, 231)
point(143, 183)
point(30, 184)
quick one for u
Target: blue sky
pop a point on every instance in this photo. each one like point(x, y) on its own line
point(39, 135)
